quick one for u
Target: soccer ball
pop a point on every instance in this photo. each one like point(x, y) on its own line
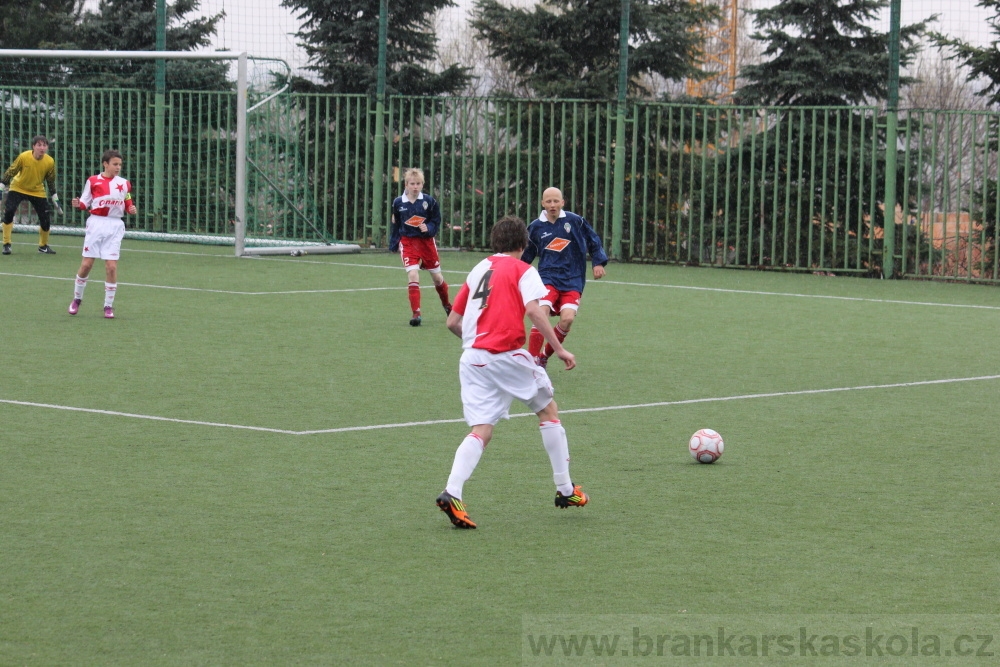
point(706, 446)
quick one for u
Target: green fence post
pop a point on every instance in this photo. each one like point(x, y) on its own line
point(159, 111)
point(378, 166)
point(618, 202)
point(891, 135)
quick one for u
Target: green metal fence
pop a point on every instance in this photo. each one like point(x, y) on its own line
point(793, 188)
point(950, 196)
point(82, 123)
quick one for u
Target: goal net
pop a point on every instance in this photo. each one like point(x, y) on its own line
point(199, 146)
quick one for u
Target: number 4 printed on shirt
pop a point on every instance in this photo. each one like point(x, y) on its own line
point(483, 289)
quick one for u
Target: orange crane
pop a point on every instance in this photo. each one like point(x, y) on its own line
point(719, 56)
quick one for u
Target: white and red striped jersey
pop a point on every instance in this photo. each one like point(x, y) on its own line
point(108, 197)
point(492, 303)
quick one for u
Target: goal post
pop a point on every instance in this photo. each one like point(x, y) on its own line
point(191, 171)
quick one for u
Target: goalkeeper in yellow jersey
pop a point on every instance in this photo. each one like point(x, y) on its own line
point(27, 178)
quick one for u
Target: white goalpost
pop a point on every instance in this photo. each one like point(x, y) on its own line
point(243, 246)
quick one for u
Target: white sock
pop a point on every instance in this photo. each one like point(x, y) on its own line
point(557, 446)
point(466, 459)
point(81, 284)
point(109, 294)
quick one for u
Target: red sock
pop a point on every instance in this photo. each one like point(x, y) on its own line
point(414, 290)
point(442, 291)
point(535, 342)
point(560, 336)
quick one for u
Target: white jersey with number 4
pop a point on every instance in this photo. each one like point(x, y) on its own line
point(492, 303)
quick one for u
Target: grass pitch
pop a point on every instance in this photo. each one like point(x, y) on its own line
point(194, 483)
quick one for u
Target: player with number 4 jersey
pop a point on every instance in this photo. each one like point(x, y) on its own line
point(488, 315)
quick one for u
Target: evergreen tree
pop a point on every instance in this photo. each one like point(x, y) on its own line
point(570, 48)
point(35, 24)
point(340, 38)
point(822, 53)
point(130, 25)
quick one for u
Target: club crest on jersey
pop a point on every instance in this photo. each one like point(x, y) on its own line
point(415, 221)
point(425, 206)
point(567, 227)
point(557, 244)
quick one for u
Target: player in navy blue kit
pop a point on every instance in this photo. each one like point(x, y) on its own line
point(561, 240)
point(416, 218)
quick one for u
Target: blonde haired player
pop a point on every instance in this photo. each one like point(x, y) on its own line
point(108, 196)
point(416, 218)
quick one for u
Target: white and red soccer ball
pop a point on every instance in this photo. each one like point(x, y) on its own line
point(706, 446)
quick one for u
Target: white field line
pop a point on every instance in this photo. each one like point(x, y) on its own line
point(115, 413)
point(222, 291)
point(635, 406)
point(606, 282)
point(398, 268)
point(803, 296)
point(256, 258)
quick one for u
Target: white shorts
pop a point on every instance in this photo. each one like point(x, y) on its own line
point(103, 239)
point(490, 382)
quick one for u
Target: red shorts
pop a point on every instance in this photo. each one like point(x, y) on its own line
point(419, 252)
point(557, 300)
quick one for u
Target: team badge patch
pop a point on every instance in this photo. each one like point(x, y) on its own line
point(558, 245)
point(415, 221)
point(425, 206)
point(567, 227)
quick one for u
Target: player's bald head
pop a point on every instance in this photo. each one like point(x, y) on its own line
point(552, 193)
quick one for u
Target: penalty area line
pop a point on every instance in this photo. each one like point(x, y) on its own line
point(131, 415)
point(432, 422)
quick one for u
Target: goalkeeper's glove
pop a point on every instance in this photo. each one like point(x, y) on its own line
point(55, 203)
point(2, 187)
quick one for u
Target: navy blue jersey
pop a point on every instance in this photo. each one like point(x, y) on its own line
point(406, 218)
point(561, 248)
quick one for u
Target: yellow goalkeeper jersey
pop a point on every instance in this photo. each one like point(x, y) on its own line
point(29, 176)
